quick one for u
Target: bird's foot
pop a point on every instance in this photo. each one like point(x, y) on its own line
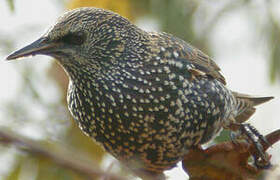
point(252, 135)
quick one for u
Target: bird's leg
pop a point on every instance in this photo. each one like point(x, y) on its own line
point(256, 133)
point(251, 134)
point(261, 160)
point(245, 131)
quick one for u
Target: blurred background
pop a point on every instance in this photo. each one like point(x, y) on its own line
point(242, 36)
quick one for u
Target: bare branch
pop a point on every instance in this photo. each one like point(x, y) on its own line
point(63, 158)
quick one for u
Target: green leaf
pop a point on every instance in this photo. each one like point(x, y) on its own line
point(11, 5)
point(224, 136)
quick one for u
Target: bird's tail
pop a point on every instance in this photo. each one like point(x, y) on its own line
point(246, 105)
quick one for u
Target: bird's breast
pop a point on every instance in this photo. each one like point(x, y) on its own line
point(151, 114)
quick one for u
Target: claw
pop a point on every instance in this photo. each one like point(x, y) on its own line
point(261, 163)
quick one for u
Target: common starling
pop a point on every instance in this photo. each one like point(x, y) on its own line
point(146, 97)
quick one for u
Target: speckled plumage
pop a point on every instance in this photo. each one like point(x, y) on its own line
point(146, 97)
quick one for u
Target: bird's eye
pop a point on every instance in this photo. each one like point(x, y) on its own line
point(73, 38)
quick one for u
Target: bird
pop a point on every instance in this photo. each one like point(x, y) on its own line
point(146, 97)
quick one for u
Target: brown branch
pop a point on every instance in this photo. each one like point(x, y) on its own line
point(227, 160)
point(63, 158)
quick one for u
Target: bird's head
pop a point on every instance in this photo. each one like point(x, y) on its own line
point(83, 36)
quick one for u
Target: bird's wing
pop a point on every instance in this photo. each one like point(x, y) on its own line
point(203, 63)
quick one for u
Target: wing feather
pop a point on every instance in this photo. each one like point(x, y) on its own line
point(203, 64)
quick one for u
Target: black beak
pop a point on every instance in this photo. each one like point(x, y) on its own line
point(40, 46)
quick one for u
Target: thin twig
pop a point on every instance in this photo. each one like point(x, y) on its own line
point(63, 158)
